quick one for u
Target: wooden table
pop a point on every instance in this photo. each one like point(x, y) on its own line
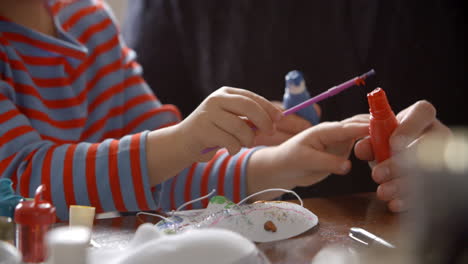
point(336, 215)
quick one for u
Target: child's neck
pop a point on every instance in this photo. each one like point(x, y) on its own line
point(29, 13)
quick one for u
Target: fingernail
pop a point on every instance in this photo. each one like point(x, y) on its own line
point(345, 167)
point(399, 143)
point(381, 174)
point(397, 206)
point(389, 190)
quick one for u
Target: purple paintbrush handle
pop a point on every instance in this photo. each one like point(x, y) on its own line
point(209, 150)
point(328, 93)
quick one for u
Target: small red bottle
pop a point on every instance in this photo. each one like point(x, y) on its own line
point(382, 124)
point(34, 218)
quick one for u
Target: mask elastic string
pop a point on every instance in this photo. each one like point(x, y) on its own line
point(180, 207)
point(195, 200)
point(155, 215)
point(272, 190)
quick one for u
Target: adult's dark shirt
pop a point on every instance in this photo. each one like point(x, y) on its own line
point(190, 48)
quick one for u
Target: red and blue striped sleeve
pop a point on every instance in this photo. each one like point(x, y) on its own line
point(110, 175)
point(224, 173)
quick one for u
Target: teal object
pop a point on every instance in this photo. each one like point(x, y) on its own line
point(8, 198)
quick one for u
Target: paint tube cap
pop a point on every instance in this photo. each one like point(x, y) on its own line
point(378, 104)
point(82, 216)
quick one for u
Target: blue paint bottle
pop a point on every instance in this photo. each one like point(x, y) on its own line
point(295, 93)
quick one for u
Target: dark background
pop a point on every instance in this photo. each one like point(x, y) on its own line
point(418, 48)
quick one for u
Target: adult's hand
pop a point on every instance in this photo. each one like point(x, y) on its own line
point(418, 123)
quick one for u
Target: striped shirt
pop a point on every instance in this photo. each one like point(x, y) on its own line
point(75, 113)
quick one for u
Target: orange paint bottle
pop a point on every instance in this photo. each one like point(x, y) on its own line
point(382, 124)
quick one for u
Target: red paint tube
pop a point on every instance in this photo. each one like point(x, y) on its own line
point(382, 124)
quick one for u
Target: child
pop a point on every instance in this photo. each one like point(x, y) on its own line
point(76, 116)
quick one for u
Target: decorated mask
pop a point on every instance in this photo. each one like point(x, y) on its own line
point(262, 221)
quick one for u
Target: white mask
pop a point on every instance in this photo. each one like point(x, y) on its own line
point(260, 222)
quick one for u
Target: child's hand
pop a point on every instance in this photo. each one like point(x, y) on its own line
point(308, 157)
point(217, 122)
point(286, 128)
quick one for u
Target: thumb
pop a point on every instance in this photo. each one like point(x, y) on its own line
point(363, 149)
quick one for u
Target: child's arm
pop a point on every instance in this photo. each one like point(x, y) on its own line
point(214, 123)
point(306, 158)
